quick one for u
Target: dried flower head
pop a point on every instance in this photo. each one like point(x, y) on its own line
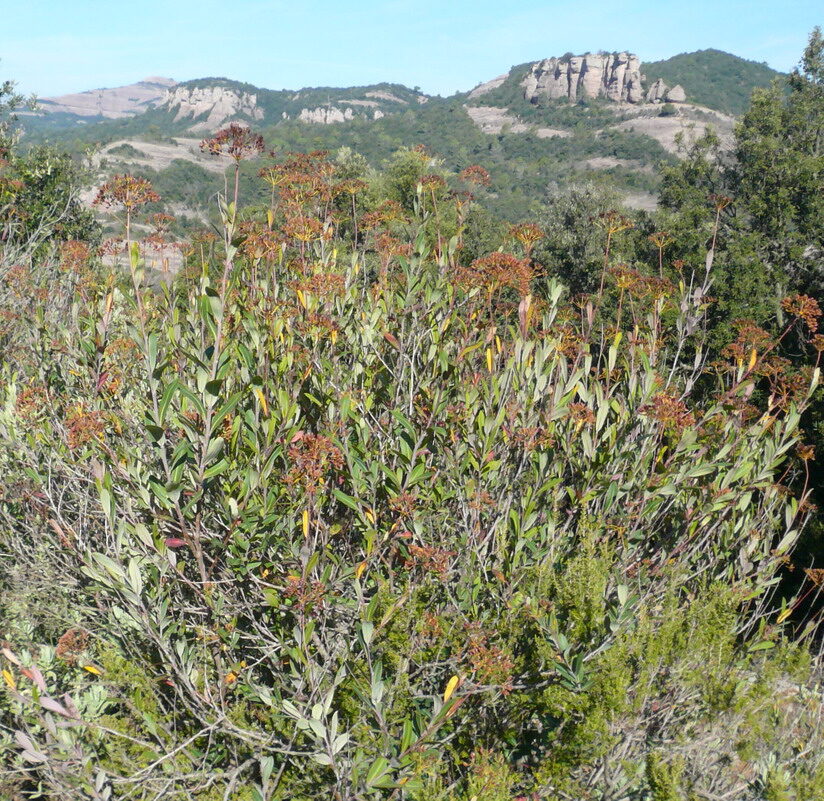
point(236, 141)
point(475, 174)
point(312, 458)
point(804, 308)
point(528, 234)
point(127, 191)
point(497, 271)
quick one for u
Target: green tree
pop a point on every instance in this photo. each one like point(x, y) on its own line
point(573, 248)
point(780, 169)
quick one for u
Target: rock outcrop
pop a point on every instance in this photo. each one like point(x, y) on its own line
point(326, 115)
point(122, 101)
point(218, 103)
point(615, 76)
point(657, 92)
point(483, 88)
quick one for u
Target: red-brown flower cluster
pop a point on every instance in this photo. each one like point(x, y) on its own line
point(430, 559)
point(306, 229)
point(804, 308)
point(260, 242)
point(528, 234)
point(670, 411)
point(127, 191)
point(305, 593)
point(321, 285)
point(497, 271)
point(236, 141)
point(489, 662)
point(71, 644)
point(475, 174)
point(83, 426)
point(312, 458)
point(74, 256)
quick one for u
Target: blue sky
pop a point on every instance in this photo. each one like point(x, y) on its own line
point(58, 46)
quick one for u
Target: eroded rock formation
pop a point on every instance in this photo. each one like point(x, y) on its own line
point(615, 76)
point(218, 103)
point(660, 93)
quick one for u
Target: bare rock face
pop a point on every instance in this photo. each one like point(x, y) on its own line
point(657, 92)
point(122, 101)
point(484, 88)
point(217, 102)
point(615, 76)
point(676, 94)
point(326, 115)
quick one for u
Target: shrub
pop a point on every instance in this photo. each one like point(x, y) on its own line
point(346, 518)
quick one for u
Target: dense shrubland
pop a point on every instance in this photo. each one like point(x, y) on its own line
point(364, 503)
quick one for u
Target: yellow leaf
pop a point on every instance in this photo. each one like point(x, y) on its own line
point(451, 686)
point(9, 679)
point(489, 359)
point(305, 522)
point(92, 669)
point(359, 570)
point(370, 516)
point(753, 359)
point(498, 344)
point(302, 298)
point(781, 618)
point(334, 337)
point(618, 337)
point(262, 400)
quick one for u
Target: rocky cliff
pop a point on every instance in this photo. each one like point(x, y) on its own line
point(217, 103)
point(660, 93)
point(615, 76)
point(326, 115)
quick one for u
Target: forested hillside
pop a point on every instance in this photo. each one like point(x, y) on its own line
point(370, 489)
point(713, 78)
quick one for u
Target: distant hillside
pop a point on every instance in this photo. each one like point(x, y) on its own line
point(712, 78)
point(540, 126)
point(121, 101)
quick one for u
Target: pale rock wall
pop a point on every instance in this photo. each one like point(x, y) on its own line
point(615, 76)
point(217, 102)
point(326, 116)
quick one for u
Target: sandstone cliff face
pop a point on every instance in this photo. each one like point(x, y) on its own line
point(615, 76)
point(327, 115)
point(219, 103)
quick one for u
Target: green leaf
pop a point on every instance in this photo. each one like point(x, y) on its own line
point(377, 772)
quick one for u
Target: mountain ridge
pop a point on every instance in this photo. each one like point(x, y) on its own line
point(712, 78)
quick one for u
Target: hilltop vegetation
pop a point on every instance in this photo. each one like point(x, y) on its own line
point(713, 78)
